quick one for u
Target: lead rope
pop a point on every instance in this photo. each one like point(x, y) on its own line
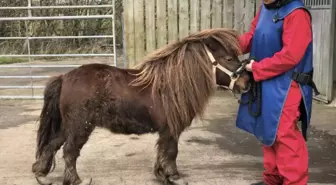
point(254, 94)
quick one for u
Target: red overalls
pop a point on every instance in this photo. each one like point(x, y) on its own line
point(285, 162)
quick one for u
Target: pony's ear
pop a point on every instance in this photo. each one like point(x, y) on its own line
point(212, 44)
point(223, 38)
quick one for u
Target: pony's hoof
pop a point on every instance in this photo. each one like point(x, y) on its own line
point(159, 174)
point(177, 180)
point(86, 182)
point(43, 181)
point(53, 165)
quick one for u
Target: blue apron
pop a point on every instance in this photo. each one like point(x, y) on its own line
point(267, 40)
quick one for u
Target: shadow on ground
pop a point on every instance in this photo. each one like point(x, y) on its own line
point(321, 146)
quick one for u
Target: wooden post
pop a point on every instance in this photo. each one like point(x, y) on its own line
point(172, 21)
point(129, 32)
point(243, 14)
point(183, 19)
point(194, 15)
point(217, 14)
point(161, 23)
point(139, 30)
point(150, 26)
point(205, 14)
point(228, 11)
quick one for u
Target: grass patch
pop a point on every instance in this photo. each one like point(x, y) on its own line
point(7, 60)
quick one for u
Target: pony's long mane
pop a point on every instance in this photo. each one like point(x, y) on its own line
point(181, 75)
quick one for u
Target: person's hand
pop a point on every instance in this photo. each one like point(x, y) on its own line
point(248, 67)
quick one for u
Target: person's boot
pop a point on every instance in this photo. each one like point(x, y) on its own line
point(259, 183)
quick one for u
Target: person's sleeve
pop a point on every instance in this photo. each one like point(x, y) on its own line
point(296, 37)
point(245, 39)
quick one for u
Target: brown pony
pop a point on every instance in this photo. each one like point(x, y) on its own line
point(163, 94)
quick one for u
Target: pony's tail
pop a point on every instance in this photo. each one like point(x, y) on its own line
point(50, 117)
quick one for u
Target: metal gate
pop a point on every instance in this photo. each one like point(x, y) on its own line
point(324, 17)
point(29, 55)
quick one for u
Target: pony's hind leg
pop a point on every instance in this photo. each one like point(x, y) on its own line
point(165, 168)
point(44, 162)
point(71, 150)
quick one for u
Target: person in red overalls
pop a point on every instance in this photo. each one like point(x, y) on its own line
point(280, 41)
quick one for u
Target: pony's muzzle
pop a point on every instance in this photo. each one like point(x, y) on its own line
point(247, 89)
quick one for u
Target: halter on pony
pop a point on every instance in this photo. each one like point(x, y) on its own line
point(233, 75)
point(254, 93)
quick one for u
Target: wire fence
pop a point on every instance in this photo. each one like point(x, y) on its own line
point(42, 29)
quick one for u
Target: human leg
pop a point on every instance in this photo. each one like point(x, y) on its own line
point(271, 173)
point(290, 146)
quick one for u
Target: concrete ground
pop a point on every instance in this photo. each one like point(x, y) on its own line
point(212, 152)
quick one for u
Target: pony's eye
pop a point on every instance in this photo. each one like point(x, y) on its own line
point(229, 59)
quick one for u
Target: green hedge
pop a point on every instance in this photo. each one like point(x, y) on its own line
point(60, 28)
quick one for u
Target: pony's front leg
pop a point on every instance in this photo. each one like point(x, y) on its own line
point(165, 167)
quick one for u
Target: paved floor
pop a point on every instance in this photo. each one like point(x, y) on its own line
point(212, 151)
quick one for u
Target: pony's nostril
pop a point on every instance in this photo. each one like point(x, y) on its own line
point(247, 88)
